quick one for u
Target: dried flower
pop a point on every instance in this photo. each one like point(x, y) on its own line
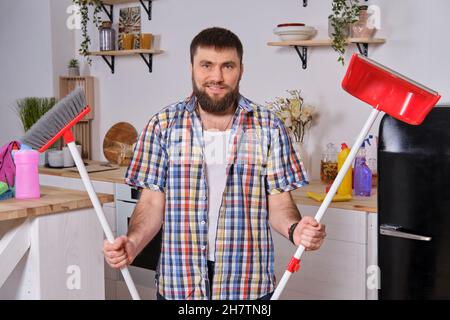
point(294, 114)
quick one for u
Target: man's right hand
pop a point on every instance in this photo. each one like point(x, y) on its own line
point(119, 253)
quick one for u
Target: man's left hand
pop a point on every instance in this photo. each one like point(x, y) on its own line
point(309, 233)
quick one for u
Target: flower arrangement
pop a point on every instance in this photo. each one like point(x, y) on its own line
point(295, 115)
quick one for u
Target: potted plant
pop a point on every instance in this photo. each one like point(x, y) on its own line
point(84, 12)
point(30, 110)
point(74, 68)
point(344, 14)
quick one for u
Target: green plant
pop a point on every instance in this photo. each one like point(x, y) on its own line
point(344, 14)
point(32, 109)
point(84, 12)
point(73, 63)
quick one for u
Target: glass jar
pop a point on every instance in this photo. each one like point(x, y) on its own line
point(329, 164)
point(107, 36)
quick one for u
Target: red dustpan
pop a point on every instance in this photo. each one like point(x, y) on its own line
point(387, 91)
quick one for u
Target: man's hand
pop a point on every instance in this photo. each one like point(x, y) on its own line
point(309, 233)
point(120, 253)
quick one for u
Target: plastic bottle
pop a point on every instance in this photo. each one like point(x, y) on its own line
point(363, 174)
point(27, 174)
point(346, 186)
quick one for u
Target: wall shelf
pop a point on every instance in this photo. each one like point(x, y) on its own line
point(146, 55)
point(361, 43)
point(111, 3)
point(305, 3)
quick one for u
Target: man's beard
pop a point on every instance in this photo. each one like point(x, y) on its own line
point(215, 106)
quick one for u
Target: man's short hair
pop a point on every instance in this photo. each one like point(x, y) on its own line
point(217, 38)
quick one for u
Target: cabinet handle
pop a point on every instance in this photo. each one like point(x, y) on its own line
point(400, 232)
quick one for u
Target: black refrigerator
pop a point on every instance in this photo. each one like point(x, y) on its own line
point(414, 207)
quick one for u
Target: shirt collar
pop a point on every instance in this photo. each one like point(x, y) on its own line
point(244, 104)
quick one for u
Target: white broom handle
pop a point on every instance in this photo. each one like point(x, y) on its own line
point(329, 197)
point(100, 214)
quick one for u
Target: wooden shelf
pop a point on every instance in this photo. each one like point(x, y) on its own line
point(83, 129)
point(361, 43)
point(324, 42)
point(146, 55)
point(112, 3)
point(125, 52)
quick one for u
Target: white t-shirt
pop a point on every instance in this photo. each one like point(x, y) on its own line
point(216, 151)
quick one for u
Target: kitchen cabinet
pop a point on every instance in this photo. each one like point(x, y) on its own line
point(338, 269)
point(46, 250)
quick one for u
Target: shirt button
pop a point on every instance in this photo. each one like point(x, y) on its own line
point(204, 197)
point(203, 222)
point(203, 248)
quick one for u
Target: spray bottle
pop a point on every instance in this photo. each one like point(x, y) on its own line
point(362, 172)
point(346, 185)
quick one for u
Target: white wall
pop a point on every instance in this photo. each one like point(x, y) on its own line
point(414, 33)
point(25, 59)
point(416, 46)
point(36, 46)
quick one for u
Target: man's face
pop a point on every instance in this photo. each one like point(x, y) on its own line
point(215, 78)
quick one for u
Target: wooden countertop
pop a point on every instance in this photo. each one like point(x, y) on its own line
point(366, 204)
point(53, 200)
point(114, 176)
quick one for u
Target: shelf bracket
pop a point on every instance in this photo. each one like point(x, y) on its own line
point(109, 12)
point(110, 63)
point(363, 48)
point(148, 62)
point(303, 55)
point(147, 9)
point(305, 3)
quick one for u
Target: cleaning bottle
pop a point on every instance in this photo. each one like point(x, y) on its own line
point(27, 174)
point(346, 185)
point(362, 174)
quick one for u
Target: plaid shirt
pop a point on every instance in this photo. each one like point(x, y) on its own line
point(169, 157)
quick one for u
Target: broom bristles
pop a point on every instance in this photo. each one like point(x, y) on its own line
point(54, 120)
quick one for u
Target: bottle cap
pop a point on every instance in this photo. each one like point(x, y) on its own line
point(344, 146)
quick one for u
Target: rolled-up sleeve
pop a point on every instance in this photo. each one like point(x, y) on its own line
point(148, 167)
point(285, 171)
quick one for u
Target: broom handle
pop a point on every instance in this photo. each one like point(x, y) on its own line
point(100, 214)
point(294, 264)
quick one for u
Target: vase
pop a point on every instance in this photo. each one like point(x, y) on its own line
point(74, 72)
point(302, 154)
point(362, 29)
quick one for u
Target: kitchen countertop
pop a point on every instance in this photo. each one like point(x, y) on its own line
point(53, 200)
point(114, 176)
point(365, 204)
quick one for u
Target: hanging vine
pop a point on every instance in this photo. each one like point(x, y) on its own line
point(84, 13)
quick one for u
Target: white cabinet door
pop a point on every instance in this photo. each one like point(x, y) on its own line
point(338, 269)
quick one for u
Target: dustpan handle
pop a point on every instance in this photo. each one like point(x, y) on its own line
point(100, 214)
point(295, 261)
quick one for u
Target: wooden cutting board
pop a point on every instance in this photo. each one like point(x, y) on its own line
point(119, 142)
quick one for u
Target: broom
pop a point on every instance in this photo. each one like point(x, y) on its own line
point(385, 90)
point(58, 122)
